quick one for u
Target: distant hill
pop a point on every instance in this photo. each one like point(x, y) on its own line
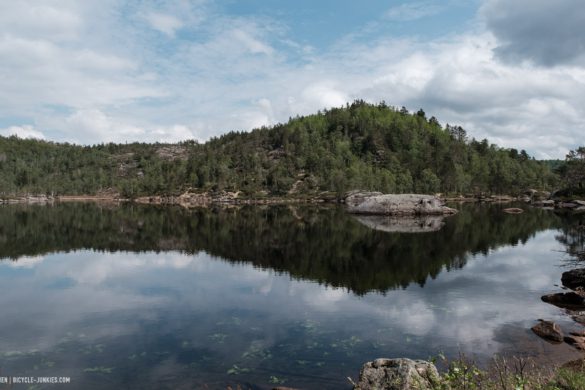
point(362, 145)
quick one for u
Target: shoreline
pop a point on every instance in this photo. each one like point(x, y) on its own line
point(206, 199)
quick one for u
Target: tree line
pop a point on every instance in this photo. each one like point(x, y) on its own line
point(359, 146)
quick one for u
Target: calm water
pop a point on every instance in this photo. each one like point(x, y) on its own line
point(153, 298)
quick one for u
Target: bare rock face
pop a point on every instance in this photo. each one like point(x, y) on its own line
point(390, 224)
point(548, 330)
point(398, 374)
point(375, 203)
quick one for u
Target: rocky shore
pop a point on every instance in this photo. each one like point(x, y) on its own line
point(29, 199)
point(573, 302)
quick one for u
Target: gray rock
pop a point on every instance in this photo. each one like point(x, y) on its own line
point(548, 330)
point(391, 204)
point(389, 224)
point(574, 278)
point(579, 202)
point(398, 374)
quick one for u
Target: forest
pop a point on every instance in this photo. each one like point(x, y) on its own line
point(359, 146)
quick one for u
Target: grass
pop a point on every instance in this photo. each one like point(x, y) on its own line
point(510, 374)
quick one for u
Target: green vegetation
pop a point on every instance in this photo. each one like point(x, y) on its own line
point(365, 146)
point(510, 374)
point(572, 172)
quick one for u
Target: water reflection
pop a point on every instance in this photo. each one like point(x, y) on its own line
point(325, 244)
point(217, 304)
point(426, 224)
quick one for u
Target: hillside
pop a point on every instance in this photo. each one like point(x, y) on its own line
point(364, 146)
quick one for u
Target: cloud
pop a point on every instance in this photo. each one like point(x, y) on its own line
point(544, 32)
point(167, 24)
point(96, 127)
point(28, 18)
point(175, 133)
point(25, 131)
point(411, 11)
point(250, 43)
point(459, 81)
point(235, 72)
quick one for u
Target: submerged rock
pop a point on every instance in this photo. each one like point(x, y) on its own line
point(548, 330)
point(422, 224)
point(576, 341)
point(398, 374)
point(574, 278)
point(375, 203)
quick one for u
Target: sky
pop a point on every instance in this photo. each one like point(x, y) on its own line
point(98, 71)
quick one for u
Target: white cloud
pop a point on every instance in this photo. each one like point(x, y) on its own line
point(167, 24)
point(25, 131)
point(95, 126)
point(250, 43)
point(33, 19)
point(408, 12)
point(324, 96)
point(175, 133)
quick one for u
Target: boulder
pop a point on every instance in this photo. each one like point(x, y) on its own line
point(398, 374)
point(390, 204)
point(570, 300)
point(549, 331)
point(574, 278)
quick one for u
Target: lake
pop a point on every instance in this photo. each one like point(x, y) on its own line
point(144, 297)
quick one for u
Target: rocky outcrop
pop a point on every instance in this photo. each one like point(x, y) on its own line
point(375, 203)
point(548, 330)
point(573, 204)
point(574, 279)
point(389, 224)
point(398, 374)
